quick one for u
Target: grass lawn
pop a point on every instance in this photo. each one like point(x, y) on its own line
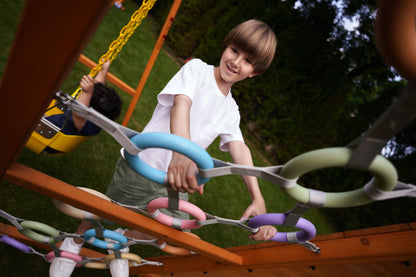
point(92, 164)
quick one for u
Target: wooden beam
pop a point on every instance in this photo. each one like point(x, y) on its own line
point(110, 77)
point(372, 247)
point(48, 42)
point(51, 187)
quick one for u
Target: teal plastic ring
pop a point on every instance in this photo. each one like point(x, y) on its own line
point(29, 226)
point(89, 236)
point(171, 142)
point(384, 172)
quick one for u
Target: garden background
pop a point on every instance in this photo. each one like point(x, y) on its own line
point(325, 87)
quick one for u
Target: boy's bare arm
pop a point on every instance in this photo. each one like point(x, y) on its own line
point(180, 116)
point(102, 74)
point(241, 154)
point(87, 85)
point(182, 170)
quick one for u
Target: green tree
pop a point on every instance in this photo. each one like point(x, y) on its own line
point(325, 87)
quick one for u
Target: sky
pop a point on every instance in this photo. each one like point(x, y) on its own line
point(349, 24)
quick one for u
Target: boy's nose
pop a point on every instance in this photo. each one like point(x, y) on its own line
point(238, 60)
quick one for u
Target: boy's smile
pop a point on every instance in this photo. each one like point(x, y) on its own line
point(235, 66)
point(230, 69)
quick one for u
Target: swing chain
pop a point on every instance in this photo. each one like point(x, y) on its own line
point(125, 33)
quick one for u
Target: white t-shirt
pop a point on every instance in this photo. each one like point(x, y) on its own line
point(212, 114)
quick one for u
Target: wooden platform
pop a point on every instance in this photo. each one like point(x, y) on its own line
point(381, 251)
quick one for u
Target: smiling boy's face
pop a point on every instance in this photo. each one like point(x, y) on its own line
point(235, 65)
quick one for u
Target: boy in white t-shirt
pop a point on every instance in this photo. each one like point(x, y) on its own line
point(197, 104)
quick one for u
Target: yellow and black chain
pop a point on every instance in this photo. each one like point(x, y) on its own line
point(125, 33)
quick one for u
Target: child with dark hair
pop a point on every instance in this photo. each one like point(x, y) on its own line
point(101, 98)
point(106, 101)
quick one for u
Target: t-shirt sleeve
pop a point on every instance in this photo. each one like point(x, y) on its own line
point(184, 82)
point(231, 132)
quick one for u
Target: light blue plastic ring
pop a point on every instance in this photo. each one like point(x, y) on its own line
point(171, 142)
point(89, 236)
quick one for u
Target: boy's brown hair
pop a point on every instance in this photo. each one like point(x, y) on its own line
point(257, 39)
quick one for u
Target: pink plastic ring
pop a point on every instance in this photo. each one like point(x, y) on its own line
point(174, 249)
point(78, 213)
point(64, 254)
point(184, 206)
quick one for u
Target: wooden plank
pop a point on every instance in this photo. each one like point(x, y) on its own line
point(332, 236)
point(378, 230)
point(57, 189)
point(340, 270)
point(377, 248)
point(49, 40)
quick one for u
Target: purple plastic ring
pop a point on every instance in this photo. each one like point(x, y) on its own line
point(308, 229)
point(16, 244)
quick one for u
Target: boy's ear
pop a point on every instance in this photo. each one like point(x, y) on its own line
point(253, 74)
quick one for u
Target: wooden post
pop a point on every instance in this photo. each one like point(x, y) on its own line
point(152, 60)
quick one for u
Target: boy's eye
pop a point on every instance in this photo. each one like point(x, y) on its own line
point(249, 61)
point(234, 49)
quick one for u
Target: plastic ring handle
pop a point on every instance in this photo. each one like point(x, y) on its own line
point(385, 176)
point(184, 206)
point(308, 229)
point(16, 244)
point(171, 142)
point(65, 254)
point(29, 226)
point(89, 236)
point(174, 250)
point(96, 265)
point(78, 213)
point(125, 256)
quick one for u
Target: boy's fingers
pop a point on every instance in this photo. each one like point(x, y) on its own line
point(201, 189)
point(246, 215)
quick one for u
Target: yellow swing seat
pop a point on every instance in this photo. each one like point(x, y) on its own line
point(47, 134)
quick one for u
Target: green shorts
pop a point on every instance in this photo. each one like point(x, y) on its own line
point(130, 188)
